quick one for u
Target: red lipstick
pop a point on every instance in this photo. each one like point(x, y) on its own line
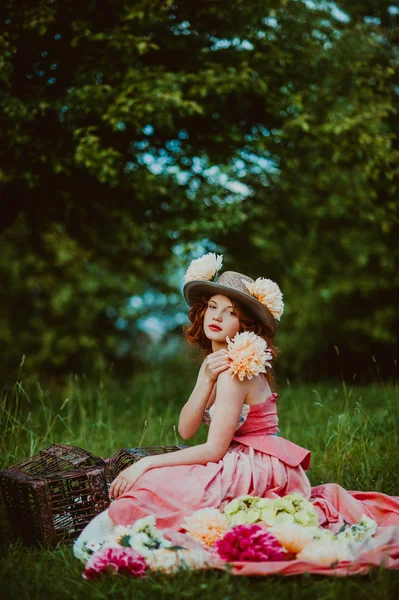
point(215, 327)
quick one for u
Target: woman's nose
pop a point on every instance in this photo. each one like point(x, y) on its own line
point(218, 317)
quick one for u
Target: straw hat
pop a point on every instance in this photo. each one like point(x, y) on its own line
point(262, 297)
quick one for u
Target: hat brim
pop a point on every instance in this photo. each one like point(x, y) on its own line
point(193, 290)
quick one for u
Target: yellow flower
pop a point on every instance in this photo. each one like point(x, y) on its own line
point(206, 525)
point(268, 293)
point(248, 355)
point(204, 268)
point(293, 537)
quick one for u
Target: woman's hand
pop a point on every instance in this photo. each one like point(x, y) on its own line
point(128, 477)
point(215, 363)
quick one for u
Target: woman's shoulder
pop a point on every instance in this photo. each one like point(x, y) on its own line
point(254, 386)
point(227, 379)
point(258, 387)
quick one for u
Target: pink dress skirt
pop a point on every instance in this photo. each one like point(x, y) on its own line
point(260, 463)
point(257, 462)
point(171, 493)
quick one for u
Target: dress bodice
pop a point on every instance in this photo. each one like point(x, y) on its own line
point(208, 415)
point(257, 427)
point(256, 417)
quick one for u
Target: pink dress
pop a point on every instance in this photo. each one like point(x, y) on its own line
point(257, 463)
point(260, 463)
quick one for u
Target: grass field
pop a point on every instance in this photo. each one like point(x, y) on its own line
point(352, 432)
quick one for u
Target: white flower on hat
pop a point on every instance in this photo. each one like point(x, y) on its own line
point(248, 354)
point(268, 293)
point(204, 268)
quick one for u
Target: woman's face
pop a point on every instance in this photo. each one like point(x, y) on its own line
point(220, 319)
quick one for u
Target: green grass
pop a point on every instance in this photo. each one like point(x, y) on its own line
point(351, 430)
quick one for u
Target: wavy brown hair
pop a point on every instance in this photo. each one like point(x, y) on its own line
point(194, 332)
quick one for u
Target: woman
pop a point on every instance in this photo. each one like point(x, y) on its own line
point(242, 454)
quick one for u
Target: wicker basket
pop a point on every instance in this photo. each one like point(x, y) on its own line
point(127, 456)
point(51, 496)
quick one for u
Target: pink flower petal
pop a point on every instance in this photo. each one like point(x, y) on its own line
point(249, 543)
point(115, 560)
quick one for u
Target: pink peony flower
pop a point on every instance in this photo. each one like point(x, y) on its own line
point(249, 543)
point(126, 561)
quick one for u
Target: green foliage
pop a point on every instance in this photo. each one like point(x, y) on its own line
point(65, 305)
point(269, 128)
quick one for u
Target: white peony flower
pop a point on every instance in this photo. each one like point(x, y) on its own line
point(284, 518)
point(267, 511)
point(245, 517)
point(306, 517)
point(93, 537)
point(248, 354)
point(289, 509)
point(301, 510)
point(123, 530)
point(360, 531)
point(323, 533)
point(83, 550)
point(268, 293)
point(171, 560)
point(142, 535)
point(325, 552)
point(204, 268)
point(145, 524)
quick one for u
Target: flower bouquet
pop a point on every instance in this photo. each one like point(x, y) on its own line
point(248, 529)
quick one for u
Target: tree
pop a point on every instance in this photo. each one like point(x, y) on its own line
point(130, 128)
point(324, 223)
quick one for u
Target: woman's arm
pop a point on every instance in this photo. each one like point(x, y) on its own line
point(230, 397)
point(193, 411)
